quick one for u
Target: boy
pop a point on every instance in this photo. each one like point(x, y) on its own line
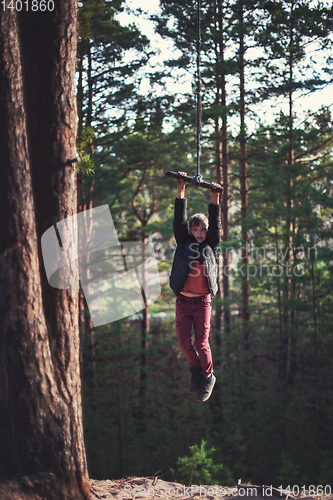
point(194, 281)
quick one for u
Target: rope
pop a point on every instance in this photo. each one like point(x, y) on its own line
point(199, 108)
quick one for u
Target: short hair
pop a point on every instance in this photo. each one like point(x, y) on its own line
point(196, 220)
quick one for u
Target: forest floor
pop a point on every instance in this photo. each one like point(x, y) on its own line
point(143, 488)
point(147, 488)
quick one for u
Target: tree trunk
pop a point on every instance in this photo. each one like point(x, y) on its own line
point(219, 177)
point(144, 338)
point(85, 202)
point(89, 368)
point(40, 388)
point(225, 182)
point(243, 178)
point(90, 88)
point(80, 95)
point(287, 313)
point(222, 170)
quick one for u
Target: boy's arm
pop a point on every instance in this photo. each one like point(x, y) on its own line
point(181, 186)
point(180, 230)
point(214, 211)
point(215, 194)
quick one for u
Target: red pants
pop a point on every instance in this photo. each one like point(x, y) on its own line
point(196, 311)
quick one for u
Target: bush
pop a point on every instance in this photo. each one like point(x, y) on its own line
point(199, 468)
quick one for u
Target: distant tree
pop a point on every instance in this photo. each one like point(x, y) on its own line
point(40, 415)
point(105, 94)
point(109, 56)
point(290, 28)
point(215, 67)
point(240, 28)
point(199, 467)
point(222, 159)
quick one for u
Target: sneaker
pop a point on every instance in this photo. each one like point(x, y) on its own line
point(195, 381)
point(206, 388)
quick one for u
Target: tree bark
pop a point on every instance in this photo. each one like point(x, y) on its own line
point(285, 370)
point(40, 389)
point(225, 181)
point(219, 175)
point(243, 177)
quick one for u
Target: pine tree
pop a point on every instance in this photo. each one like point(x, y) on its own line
point(292, 26)
point(41, 416)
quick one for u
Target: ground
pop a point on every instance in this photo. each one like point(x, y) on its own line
point(143, 488)
point(149, 488)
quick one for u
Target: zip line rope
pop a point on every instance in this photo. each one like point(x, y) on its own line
point(199, 106)
point(197, 179)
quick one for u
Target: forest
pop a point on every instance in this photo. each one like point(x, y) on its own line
point(93, 112)
point(270, 417)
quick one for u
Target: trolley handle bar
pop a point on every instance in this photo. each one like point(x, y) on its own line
point(192, 180)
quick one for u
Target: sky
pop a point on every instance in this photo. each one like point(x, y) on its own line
point(161, 47)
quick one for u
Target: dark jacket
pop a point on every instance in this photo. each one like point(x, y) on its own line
point(188, 249)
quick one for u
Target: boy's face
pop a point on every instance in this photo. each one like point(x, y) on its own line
point(199, 232)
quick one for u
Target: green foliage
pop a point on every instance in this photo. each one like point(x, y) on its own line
point(92, 10)
point(199, 468)
point(86, 164)
point(270, 416)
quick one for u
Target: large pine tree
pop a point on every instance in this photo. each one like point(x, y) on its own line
point(40, 417)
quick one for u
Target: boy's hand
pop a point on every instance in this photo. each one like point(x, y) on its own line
point(181, 185)
point(215, 194)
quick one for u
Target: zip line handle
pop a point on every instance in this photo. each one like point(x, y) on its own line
point(194, 181)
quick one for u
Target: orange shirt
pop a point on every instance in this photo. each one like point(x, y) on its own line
point(196, 281)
